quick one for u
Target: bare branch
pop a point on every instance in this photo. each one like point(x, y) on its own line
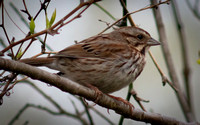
point(23, 109)
point(60, 22)
point(152, 6)
point(67, 85)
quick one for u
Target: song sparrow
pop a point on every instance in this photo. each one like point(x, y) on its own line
point(108, 61)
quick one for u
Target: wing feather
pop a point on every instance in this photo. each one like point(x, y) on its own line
point(94, 47)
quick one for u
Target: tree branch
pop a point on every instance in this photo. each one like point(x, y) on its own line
point(170, 65)
point(67, 85)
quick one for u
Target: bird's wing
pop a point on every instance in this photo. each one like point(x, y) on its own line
point(94, 47)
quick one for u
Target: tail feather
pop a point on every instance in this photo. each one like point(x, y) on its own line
point(42, 61)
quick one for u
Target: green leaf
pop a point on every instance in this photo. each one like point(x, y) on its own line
point(53, 17)
point(198, 61)
point(19, 54)
point(47, 22)
point(32, 26)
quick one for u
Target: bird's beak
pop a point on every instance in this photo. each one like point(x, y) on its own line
point(152, 42)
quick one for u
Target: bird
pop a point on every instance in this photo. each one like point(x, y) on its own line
point(108, 62)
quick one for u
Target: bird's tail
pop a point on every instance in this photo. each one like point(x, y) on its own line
point(42, 61)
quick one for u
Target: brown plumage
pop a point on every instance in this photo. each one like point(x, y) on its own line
point(108, 61)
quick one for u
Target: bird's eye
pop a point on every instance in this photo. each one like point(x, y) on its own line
point(140, 36)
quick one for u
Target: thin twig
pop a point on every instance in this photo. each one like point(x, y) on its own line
point(43, 6)
point(164, 78)
point(87, 112)
point(21, 111)
point(43, 49)
point(60, 109)
point(26, 23)
point(96, 111)
point(26, 10)
point(12, 76)
point(101, 115)
point(126, 11)
point(16, 117)
point(25, 49)
point(39, 54)
point(77, 16)
point(128, 97)
point(75, 107)
point(45, 96)
point(13, 21)
point(152, 6)
point(5, 32)
point(60, 22)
